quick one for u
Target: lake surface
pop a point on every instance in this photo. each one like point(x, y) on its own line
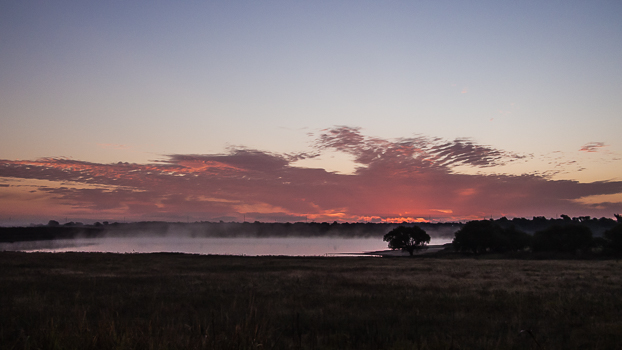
point(251, 246)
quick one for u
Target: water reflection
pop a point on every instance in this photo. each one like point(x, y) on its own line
point(291, 246)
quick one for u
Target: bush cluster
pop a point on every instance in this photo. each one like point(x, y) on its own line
point(487, 236)
point(613, 240)
point(566, 239)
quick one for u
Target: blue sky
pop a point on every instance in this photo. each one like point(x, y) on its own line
point(108, 82)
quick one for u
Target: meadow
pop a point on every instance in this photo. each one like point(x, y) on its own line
point(180, 301)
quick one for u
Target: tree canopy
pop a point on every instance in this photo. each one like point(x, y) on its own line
point(613, 239)
point(487, 236)
point(566, 238)
point(407, 239)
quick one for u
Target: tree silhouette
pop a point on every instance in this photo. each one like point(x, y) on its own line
point(407, 239)
point(613, 238)
point(568, 238)
point(487, 236)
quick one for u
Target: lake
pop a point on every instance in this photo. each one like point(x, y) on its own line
point(250, 246)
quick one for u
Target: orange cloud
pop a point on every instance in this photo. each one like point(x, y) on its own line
point(400, 219)
point(467, 192)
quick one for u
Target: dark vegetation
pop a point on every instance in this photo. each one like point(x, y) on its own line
point(407, 239)
point(488, 236)
point(613, 240)
point(176, 301)
point(566, 236)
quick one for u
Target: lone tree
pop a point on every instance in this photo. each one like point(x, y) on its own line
point(407, 239)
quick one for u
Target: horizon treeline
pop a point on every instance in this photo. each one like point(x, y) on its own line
point(566, 236)
point(56, 230)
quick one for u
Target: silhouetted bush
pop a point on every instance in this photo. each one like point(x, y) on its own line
point(487, 236)
point(513, 240)
point(599, 244)
point(568, 238)
point(476, 236)
point(613, 238)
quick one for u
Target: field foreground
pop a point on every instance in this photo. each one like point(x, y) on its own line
point(175, 301)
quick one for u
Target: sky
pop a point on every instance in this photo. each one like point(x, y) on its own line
point(381, 111)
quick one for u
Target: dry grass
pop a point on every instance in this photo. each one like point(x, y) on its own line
point(174, 301)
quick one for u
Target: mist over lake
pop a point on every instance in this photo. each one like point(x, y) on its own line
point(250, 246)
point(251, 239)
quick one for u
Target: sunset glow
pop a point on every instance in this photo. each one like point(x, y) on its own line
point(397, 181)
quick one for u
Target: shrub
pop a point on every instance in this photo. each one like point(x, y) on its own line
point(613, 240)
point(487, 236)
point(567, 238)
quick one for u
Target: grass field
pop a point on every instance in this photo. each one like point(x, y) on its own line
point(175, 301)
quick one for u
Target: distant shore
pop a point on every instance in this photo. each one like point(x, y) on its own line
point(391, 253)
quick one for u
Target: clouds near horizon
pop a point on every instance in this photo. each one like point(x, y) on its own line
point(401, 179)
point(592, 147)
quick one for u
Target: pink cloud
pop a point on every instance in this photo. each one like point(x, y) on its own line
point(592, 147)
point(406, 178)
point(419, 152)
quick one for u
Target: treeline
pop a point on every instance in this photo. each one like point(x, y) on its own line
point(55, 230)
point(538, 223)
point(558, 236)
point(43, 233)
